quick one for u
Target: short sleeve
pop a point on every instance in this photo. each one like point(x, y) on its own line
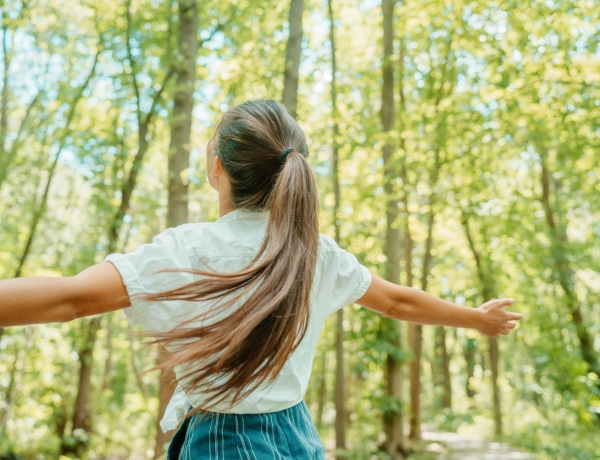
point(341, 278)
point(143, 271)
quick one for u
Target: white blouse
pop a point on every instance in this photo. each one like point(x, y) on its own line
point(227, 245)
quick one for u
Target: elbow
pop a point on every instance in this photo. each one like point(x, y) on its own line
point(387, 299)
point(397, 310)
point(72, 313)
point(65, 313)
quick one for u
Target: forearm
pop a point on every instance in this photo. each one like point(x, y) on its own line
point(409, 304)
point(417, 306)
point(35, 300)
point(99, 289)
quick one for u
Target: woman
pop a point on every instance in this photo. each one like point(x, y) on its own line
point(240, 302)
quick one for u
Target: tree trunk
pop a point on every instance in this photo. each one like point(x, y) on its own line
point(494, 358)
point(6, 55)
point(166, 387)
point(415, 342)
point(181, 122)
point(321, 396)
point(40, 211)
point(416, 330)
point(487, 290)
point(441, 368)
point(340, 378)
point(13, 379)
point(564, 272)
point(395, 443)
point(179, 158)
point(292, 57)
point(82, 414)
point(470, 353)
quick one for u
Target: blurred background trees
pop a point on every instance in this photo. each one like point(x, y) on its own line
point(456, 146)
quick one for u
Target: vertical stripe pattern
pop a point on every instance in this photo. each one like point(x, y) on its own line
point(284, 435)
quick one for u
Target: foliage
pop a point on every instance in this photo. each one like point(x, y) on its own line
point(500, 104)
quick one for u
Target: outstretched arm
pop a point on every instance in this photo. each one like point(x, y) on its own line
point(414, 305)
point(98, 289)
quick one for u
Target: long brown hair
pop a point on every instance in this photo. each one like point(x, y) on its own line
point(250, 345)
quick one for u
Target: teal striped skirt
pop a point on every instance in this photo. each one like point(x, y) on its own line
point(285, 435)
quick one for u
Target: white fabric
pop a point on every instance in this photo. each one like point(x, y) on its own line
point(227, 245)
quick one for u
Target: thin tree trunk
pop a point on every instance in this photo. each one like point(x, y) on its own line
point(563, 271)
point(9, 394)
point(494, 364)
point(444, 367)
point(40, 211)
point(143, 121)
point(487, 291)
point(81, 423)
point(340, 378)
point(136, 370)
point(166, 387)
point(292, 57)
point(416, 330)
point(109, 354)
point(395, 443)
point(321, 396)
point(470, 353)
point(11, 153)
point(6, 54)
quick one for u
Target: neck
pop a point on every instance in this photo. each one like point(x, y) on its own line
point(225, 206)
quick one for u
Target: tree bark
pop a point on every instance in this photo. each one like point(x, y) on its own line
point(292, 57)
point(82, 414)
point(340, 378)
point(179, 159)
point(322, 390)
point(470, 353)
point(494, 364)
point(395, 443)
point(444, 375)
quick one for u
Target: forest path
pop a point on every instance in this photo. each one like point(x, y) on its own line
point(454, 446)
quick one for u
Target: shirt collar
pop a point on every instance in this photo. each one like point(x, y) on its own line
point(244, 214)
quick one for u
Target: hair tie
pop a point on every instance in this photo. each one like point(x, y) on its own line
point(283, 155)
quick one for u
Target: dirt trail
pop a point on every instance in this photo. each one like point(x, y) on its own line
point(453, 446)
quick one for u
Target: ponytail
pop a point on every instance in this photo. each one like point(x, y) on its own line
point(249, 346)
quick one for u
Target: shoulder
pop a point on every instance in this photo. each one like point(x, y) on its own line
point(327, 244)
point(329, 248)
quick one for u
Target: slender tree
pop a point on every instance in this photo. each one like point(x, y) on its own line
point(395, 444)
point(293, 53)
point(340, 378)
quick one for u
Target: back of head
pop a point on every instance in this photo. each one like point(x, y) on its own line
point(250, 140)
point(263, 150)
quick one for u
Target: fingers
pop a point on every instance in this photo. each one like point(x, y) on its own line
point(501, 303)
point(501, 321)
point(498, 304)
